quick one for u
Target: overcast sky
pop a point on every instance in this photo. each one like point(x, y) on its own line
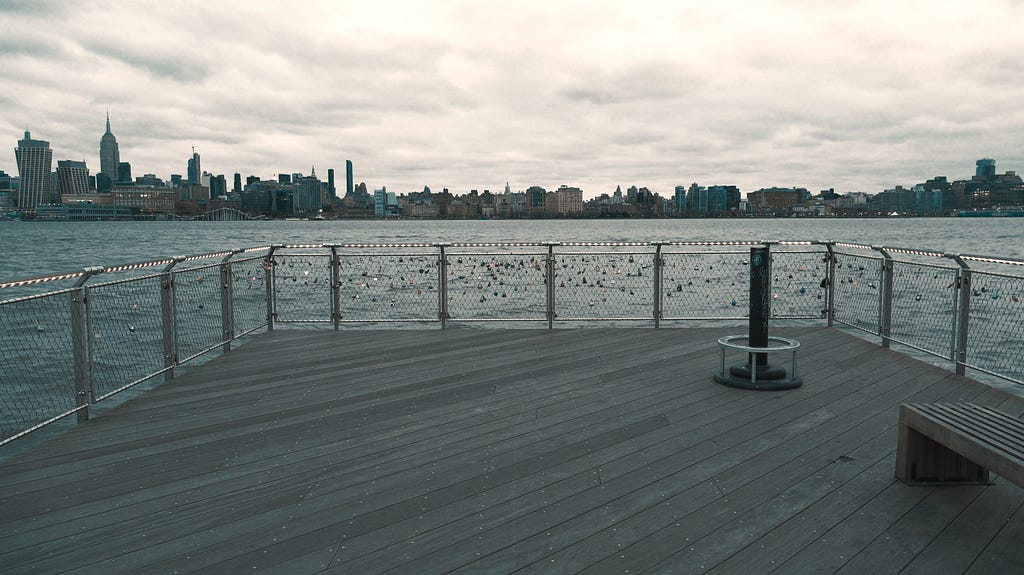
point(859, 96)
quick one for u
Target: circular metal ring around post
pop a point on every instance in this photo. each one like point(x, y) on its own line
point(756, 376)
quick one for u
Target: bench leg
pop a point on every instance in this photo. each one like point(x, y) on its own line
point(922, 460)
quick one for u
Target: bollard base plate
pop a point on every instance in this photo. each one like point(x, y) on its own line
point(767, 378)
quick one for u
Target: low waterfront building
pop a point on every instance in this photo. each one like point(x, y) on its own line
point(84, 211)
point(776, 200)
point(145, 199)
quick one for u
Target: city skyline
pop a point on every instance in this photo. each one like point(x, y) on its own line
point(466, 96)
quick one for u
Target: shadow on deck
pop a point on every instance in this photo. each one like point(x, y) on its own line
point(534, 451)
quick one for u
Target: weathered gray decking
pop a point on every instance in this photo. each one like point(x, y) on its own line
point(496, 451)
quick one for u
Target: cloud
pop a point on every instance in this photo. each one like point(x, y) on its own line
point(33, 8)
point(469, 94)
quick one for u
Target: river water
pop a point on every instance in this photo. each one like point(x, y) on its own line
point(31, 249)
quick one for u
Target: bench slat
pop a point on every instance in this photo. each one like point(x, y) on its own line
point(958, 442)
point(1000, 432)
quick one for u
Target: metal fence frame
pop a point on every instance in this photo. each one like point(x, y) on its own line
point(261, 282)
point(890, 260)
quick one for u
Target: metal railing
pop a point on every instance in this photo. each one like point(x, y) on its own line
point(967, 309)
point(101, 331)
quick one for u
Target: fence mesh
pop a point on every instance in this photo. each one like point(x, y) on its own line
point(249, 293)
point(996, 341)
point(706, 286)
point(856, 291)
point(388, 287)
point(123, 330)
point(924, 304)
point(38, 375)
point(302, 287)
point(799, 284)
point(197, 310)
point(486, 286)
point(604, 285)
point(126, 340)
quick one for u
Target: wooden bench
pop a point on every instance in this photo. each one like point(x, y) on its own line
point(958, 443)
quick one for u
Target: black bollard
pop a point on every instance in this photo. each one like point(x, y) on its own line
point(760, 303)
point(757, 373)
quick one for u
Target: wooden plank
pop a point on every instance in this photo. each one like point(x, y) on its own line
point(545, 541)
point(316, 407)
point(892, 550)
point(293, 462)
point(1003, 554)
point(830, 548)
point(481, 449)
point(959, 545)
point(517, 550)
point(753, 491)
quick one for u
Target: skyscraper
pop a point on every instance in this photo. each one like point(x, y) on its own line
point(985, 168)
point(72, 177)
point(124, 173)
point(34, 159)
point(110, 158)
point(195, 171)
point(348, 178)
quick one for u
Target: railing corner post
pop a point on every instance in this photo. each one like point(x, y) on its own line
point(442, 286)
point(657, 296)
point(885, 298)
point(335, 288)
point(269, 271)
point(549, 278)
point(963, 317)
point(830, 285)
point(79, 341)
point(168, 316)
point(227, 302)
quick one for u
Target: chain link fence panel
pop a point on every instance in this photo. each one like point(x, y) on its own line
point(126, 336)
point(996, 332)
point(38, 375)
point(388, 287)
point(497, 286)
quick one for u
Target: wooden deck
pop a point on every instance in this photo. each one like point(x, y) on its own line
point(498, 451)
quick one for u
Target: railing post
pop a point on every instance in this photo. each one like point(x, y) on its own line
point(658, 263)
point(80, 342)
point(830, 285)
point(168, 316)
point(442, 283)
point(269, 273)
point(227, 301)
point(335, 288)
point(885, 301)
point(549, 279)
point(963, 315)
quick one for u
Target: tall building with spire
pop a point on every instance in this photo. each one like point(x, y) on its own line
point(34, 159)
point(110, 158)
point(195, 170)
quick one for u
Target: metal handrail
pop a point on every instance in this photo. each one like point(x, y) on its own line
point(206, 302)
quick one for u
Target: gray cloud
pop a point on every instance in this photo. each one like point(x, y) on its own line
point(49, 8)
point(472, 94)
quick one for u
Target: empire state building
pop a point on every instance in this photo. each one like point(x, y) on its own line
point(109, 156)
